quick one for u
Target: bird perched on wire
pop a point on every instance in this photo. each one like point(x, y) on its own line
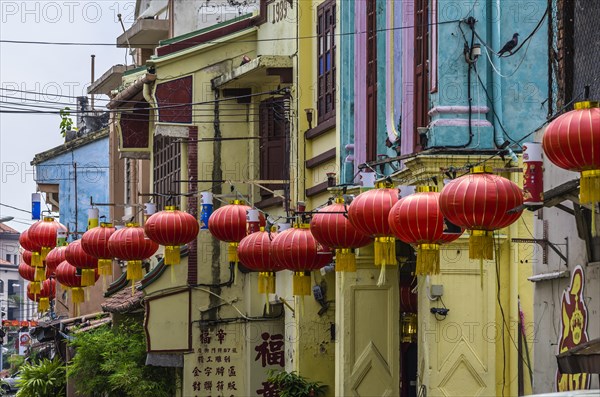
point(510, 45)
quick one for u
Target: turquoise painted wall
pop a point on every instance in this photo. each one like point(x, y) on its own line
point(346, 70)
point(92, 181)
point(518, 97)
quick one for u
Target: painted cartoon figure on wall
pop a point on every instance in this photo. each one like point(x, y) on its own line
point(574, 330)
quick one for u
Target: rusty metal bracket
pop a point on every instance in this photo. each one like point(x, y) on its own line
point(544, 243)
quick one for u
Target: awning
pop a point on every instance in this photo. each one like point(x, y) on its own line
point(584, 358)
point(267, 69)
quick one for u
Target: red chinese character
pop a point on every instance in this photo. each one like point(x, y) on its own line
point(221, 336)
point(205, 337)
point(208, 385)
point(231, 386)
point(268, 390)
point(220, 385)
point(231, 371)
point(271, 350)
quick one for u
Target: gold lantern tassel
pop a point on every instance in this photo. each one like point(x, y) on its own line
point(36, 259)
point(481, 244)
point(105, 267)
point(594, 231)
point(44, 252)
point(77, 295)
point(428, 259)
point(262, 283)
point(88, 277)
point(301, 283)
point(385, 254)
point(36, 287)
point(173, 255)
point(345, 260)
point(589, 187)
point(40, 274)
point(271, 282)
point(232, 255)
point(134, 270)
point(44, 305)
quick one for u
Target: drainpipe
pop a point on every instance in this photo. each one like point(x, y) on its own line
point(513, 306)
point(496, 43)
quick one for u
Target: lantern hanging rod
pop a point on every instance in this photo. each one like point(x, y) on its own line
point(238, 138)
point(251, 182)
point(189, 194)
point(112, 204)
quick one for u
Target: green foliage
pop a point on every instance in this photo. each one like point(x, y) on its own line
point(45, 379)
point(66, 123)
point(290, 384)
point(15, 362)
point(112, 362)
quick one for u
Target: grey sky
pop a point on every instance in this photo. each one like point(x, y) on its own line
point(49, 70)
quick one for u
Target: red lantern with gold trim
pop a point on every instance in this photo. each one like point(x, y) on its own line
point(130, 244)
point(228, 224)
point(481, 202)
point(88, 264)
point(369, 213)
point(254, 252)
point(172, 228)
point(95, 243)
point(31, 246)
point(55, 258)
point(28, 272)
point(297, 250)
point(416, 219)
point(571, 142)
point(44, 233)
point(331, 227)
point(47, 293)
point(68, 275)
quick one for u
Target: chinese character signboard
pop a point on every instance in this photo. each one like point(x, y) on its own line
point(232, 360)
point(218, 367)
point(267, 351)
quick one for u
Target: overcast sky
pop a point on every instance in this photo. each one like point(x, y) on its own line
point(47, 70)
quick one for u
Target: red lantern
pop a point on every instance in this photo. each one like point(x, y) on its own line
point(88, 264)
point(55, 258)
point(254, 252)
point(332, 229)
point(47, 293)
point(228, 224)
point(571, 142)
point(131, 244)
point(481, 203)
point(369, 213)
point(95, 243)
point(44, 234)
point(172, 228)
point(26, 271)
point(31, 246)
point(417, 219)
point(297, 250)
point(66, 274)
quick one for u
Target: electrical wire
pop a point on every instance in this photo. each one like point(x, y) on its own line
point(506, 134)
point(15, 208)
point(188, 41)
